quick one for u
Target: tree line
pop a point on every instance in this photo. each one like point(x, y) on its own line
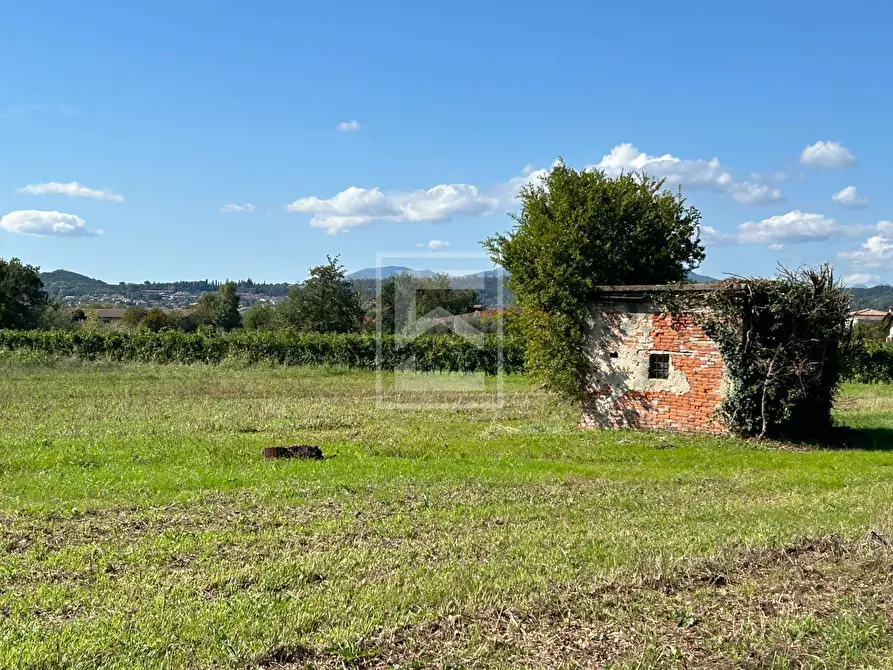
point(327, 302)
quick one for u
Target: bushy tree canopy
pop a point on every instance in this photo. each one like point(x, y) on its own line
point(260, 317)
point(577, 230)
point(326, 303)
point(22, 296)
point(220, 309)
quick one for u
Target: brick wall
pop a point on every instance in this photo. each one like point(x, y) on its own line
point(622, 395)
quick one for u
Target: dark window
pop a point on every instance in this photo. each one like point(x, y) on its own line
point(659, 366)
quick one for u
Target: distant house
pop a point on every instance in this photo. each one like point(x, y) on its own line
point(867, 316)
point(109, 315)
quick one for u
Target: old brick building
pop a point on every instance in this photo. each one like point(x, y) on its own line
point(651, 369)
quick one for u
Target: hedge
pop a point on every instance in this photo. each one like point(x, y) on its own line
point(874, 365)
point(446, 353)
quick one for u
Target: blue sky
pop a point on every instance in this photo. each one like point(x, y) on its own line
point(145, 120)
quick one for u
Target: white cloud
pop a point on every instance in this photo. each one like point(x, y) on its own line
point(884, 227)
point(45, 223)
point(72, 189)
point(434, 244)
point(690, 173)
point(710, 236)
point(349, 126)
point(356, 206)
point(360, 206)
point(793, 227)
point(233, 207)
point(827, 154)
point(860, 278)
point(850, 197)
point(876, 252)
point(776, 232)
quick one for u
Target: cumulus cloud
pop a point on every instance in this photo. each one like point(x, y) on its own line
point(884, 227)
point(356, 206)
point(795, 227)
point(434, 244)
point(45, 224)
point(711, 237)
point(827, 154)
point(360, 206)
point(234, 208)
point(850, 197)
point(876, 252)
point(860, 278)
point(72, 189)
point(690, 173)
point(349, 126)
point(791, 228)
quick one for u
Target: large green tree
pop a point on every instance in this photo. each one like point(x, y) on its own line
point(577, 230)
point(220, 309)
point(22, 296)
point(326, 303)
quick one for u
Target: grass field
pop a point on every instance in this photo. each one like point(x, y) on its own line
point(140, 528)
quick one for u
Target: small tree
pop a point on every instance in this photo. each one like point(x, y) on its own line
point(578, 230)
point(22, 296)
point(326, 303)
point(220, 309)
point(227, 315)
point(133, 317)
point(155, 319)
point(59, 317)
point(259, 317)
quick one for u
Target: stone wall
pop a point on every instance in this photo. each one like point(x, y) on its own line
point(623, 337)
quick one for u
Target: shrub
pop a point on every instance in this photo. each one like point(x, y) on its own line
point(786, 344)
point(873, 364)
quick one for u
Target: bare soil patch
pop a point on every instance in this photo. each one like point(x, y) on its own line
point(746, 610)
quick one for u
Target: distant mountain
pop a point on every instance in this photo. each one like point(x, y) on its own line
point(876, 297)
point(701, 279)
point(388, 271)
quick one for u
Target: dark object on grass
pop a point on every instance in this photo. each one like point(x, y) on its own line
point(297, 451)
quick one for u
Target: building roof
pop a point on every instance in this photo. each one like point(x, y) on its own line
point(643, 291)
point(110, 313)
point(870, 313)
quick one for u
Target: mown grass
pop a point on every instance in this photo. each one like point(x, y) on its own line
point(140, 528)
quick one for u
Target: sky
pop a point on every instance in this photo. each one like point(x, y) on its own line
point(196, 139)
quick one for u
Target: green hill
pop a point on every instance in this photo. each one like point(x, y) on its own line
point(65, 282)
point(876, 297)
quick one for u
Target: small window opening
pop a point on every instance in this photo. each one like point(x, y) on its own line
point(659, 366)
point(613, 354)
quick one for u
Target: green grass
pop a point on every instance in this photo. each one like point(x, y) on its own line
point(140, 528)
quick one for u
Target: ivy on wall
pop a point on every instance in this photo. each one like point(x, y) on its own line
point(787, 344)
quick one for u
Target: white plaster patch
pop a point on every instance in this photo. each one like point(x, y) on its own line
point(621, 360)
